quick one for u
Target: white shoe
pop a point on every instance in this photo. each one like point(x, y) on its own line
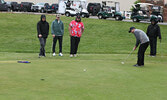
point(60, 54)
point(75, 55)
point(71, 55)
point(54, 54)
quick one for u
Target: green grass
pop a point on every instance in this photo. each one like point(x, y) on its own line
point(104, 45)
point(18, 34)
point(105, 78)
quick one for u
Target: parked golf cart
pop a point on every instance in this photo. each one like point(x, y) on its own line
point(157, 11)
point(75, 7)
point(94, 8)
point(110, 11)
point(142, 12)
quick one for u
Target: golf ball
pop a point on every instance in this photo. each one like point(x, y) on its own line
point(84, 70)
point(122, 62)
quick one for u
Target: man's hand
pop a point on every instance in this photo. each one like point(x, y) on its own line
point(53, 35)
point(134, 48)
point(40, 35)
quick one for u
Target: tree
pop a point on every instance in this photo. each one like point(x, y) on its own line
point(137, 1)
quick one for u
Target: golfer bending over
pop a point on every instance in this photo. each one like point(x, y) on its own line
point(76, 28)
point(43, 31)
point(143, 40)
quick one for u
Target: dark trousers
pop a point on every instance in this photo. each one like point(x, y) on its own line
point(60, 38)
point(141, 53)
point(153, 46)
point(74, 44)
point(42, 46)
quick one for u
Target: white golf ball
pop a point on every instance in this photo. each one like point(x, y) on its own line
point(84, 70)
point(122, 62)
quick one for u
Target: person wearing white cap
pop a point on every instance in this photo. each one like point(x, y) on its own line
point(57, 29)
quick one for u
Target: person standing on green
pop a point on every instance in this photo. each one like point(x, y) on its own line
point(57, 29)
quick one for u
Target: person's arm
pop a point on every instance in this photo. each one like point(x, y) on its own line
point(134, 48)
point(147, 30)
point(52, 30)
point(63, 27)
point(82, 29)
point(137, 41)
point(70, 29)
point(159, 33)
point(48, 29)
point(38, 30)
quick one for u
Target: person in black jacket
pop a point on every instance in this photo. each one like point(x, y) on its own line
point(43, 31)
point(153, 31)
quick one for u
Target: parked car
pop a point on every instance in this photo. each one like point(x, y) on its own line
point(14, 6)
point(4, 6)
point(26, 6)
point(94, 8)
point(52, 8)
point(39, 7)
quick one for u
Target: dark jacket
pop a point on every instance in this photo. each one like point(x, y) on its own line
point(57, 28)
point(43, 28)
point(153, 31)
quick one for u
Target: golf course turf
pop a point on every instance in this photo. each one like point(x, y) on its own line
point(95, 74)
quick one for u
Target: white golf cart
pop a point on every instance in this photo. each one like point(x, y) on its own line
point(73, 8)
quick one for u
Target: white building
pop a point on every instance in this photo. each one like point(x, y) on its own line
point(125, 5)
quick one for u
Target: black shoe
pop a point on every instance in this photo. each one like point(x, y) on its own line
point(136, 65)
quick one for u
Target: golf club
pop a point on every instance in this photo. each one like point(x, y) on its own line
point(127, 57)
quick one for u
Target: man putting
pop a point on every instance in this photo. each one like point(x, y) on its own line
point(143, 40)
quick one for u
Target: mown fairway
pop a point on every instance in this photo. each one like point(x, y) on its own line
point(96, 74)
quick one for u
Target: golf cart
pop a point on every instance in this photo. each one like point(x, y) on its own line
point(75, 7)
point(157, 11)
point(110, 9)
point(141, 12)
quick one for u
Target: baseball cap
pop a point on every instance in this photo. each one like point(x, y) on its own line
point(131, 28)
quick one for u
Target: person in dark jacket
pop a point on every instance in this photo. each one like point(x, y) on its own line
point(153, 31)
point(143, 40)
point(42, 33)
point(57, 28)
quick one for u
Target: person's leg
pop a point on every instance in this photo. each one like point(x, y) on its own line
point(151, 47)
point(154, 46)
point(54, 44)
point(44, 46)
point(141, 53)
point(72, 45)
point(77, 40)
point(60, 38)
point(41, 46)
